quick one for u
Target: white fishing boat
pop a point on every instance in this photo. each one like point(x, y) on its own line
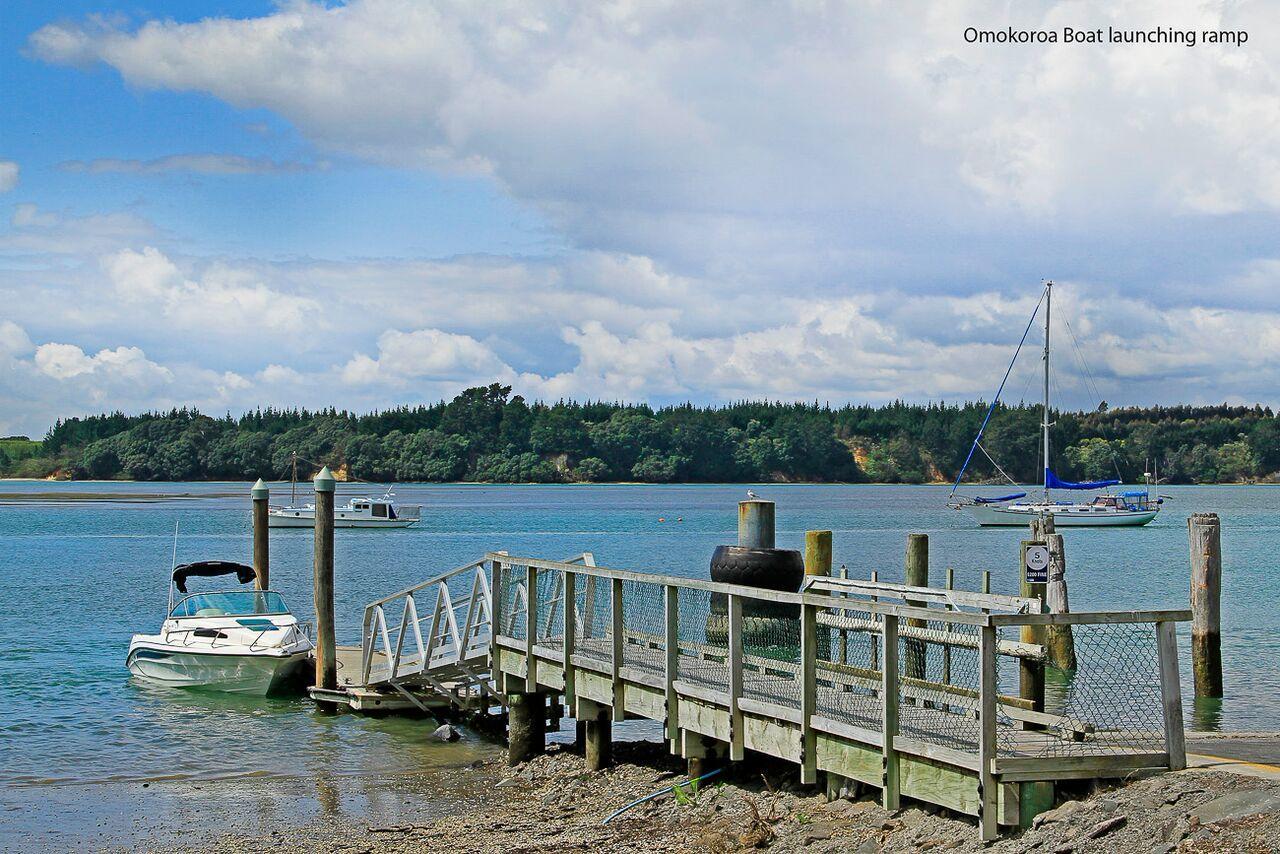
point(357, 513)
point(1110, 509)
point(238, 641)
point(363, 512)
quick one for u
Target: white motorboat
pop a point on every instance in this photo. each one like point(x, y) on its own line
point(363, 512)
point(357, 513)
point(239, 641)
point(1110, 509)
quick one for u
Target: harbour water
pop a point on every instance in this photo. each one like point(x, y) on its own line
point(80, 576)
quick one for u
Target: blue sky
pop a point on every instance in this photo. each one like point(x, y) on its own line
point(378, 202)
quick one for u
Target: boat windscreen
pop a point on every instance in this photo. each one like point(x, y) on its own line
point(234, 603)
point(209, 569)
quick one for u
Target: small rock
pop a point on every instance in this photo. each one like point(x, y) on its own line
point(1063, 813)
point(1102, 828)
point(816, 831)
point(508, 783)
point(1107, 805)
point(1236, 805)
point(445, 732)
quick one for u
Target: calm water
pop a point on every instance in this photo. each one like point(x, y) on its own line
point(80, 578)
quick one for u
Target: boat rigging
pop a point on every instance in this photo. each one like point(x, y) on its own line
point(1128, 508)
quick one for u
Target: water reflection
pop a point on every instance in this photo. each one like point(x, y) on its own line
point(1206, 714)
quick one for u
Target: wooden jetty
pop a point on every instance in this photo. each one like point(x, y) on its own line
point(914, 690)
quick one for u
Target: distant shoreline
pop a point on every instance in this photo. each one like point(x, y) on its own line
point(766, 484)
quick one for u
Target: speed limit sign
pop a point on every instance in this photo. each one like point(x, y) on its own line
point(1037, 561)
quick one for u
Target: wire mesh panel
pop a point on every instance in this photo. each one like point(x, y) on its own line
point(550, 610)
point(771, 651)
point(513, 602)
point(1110, 704)
point(703, 630)
point(939, 680)
point(848, 666)
point(644, 627)
point(594, 617)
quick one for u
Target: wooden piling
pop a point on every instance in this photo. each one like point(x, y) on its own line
point(599, 747)
point(917, 575)
point(1060, 640)
point(326, 661)
point(817, 553)
point(756, 524)
point(1205, 534)
point(527, 726)
point(261, 548)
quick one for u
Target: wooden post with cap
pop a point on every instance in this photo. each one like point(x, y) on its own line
point(261, 548)
point(326, 662)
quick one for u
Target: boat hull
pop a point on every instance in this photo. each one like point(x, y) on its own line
point(338, 522)
point(256, 675)
point(994, 515)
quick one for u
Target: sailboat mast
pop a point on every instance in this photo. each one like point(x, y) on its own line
point(293, 483)
point(1048, 300)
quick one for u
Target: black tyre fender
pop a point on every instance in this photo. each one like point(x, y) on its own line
point(768, 569)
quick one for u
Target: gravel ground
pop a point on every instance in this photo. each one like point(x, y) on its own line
point(554, 804)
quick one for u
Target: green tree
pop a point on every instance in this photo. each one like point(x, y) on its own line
point(1237, 461)
point(591, 469)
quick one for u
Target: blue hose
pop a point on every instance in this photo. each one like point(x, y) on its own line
point(659, 793)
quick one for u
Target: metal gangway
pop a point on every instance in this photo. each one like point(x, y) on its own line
point(427, 646)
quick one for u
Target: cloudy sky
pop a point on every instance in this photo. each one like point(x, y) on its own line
point(383, 201)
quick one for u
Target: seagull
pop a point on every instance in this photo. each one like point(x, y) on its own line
point(751, 493)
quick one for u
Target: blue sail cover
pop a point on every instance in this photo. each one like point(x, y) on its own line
point(1001, 498)
point(1051, 481)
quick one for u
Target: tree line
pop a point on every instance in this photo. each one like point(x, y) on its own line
point(487, 434)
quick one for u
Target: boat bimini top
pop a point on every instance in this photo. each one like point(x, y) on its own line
point(210, 568)
point(225, 603)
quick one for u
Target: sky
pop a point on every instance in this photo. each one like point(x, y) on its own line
point(380, 202)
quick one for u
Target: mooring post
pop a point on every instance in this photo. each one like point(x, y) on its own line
point(1031, 673)
point(261, 550)
point(817, 553)
point(526, 726)
point(917, 575)
point(1062, 640)
point(755, 523)
point(326, 662)
point(1205, 534)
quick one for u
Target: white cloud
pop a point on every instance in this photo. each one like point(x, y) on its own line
point(38, 231)
point(201, 164)
point(8, 175)
point(426, 354)
point(224, 298)
point(14, 340)
point(725, 135)
point(64, 361)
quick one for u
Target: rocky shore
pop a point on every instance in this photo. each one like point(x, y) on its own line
point(553, 803)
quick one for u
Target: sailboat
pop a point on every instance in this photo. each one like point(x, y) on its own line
point(1128, 508)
